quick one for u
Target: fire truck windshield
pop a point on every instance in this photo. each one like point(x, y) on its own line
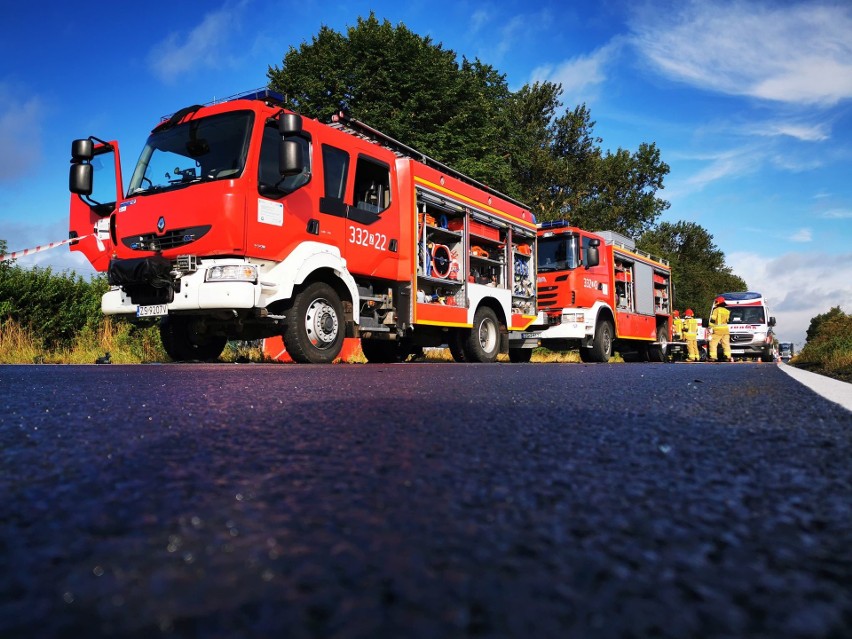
point(200, 150)
point(558, 252)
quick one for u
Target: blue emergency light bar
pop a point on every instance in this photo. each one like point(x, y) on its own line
point(257, 94)
point(555, 224)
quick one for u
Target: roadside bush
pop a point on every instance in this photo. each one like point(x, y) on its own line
point(829, 346)
point(52, 307)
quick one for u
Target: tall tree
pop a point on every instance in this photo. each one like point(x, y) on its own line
point(406, 86)
point(698, 266)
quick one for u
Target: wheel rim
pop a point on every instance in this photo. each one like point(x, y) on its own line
point(321, 324)
point(487, 336)
point(607, 341)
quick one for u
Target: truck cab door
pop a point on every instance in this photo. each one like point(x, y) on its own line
point(93, 200)
point(373, 220)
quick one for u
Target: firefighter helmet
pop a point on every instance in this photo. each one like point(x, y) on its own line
point(676, 313)
point(719, 300)
point(688, 312)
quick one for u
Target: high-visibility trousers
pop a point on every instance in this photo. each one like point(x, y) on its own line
point(720, 335)
point(692, 348)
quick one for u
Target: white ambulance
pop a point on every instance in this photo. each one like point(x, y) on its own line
point(750, 325)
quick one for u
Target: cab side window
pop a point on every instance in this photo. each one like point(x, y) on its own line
point(270, 182)
point(335, 164)
point(372, 185)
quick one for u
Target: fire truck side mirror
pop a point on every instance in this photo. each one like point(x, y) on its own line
point(80, 179)
point(772, 321)
point(593, 257)
point(82, 150)
point(290, 158)
point(289, 123)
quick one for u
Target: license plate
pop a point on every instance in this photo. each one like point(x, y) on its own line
point(530, 335)
point(152, 310)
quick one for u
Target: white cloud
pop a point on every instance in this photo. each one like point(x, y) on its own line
point(479, 19)
point(579, 76)
point(803, 235)
point(802, 132)
point(836, 214)
point(203, 47)
point(798, 286)
point(20, 134)
point(783, 52)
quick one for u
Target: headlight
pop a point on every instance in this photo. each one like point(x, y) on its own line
point(574, 317)
point(232, 273)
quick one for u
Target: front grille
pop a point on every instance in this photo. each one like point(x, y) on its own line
point(168, 240)
point(741, 337)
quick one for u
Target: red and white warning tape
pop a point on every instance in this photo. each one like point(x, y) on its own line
point(39, 249)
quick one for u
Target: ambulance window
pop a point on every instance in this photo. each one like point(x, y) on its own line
point(270, 182)
point(372, 185)
point(335, 165)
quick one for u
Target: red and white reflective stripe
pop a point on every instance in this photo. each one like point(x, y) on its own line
point(39, 249)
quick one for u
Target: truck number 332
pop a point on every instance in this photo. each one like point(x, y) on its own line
point(363, 237)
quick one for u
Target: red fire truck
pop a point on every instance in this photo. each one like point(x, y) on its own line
point(598, 292)
point(243, 220)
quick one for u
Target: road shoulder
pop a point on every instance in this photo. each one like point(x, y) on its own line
point(832, 389)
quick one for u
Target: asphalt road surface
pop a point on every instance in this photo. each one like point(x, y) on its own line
point(422, 501)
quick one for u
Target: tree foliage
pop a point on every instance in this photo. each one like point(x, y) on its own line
point(819, 321)
point(698, 266)
point(404, 85)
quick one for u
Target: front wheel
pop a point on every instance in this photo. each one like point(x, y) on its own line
point(601, 349)
point(482, 344)
point(187, 338)
point(315, 325)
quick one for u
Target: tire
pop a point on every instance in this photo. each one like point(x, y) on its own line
point(658, 353)
point(520, 355)
point(185, 338)
point(767, 356)
point(316, 326)
point(383, 351)
point(482, 344)
point(601, 349)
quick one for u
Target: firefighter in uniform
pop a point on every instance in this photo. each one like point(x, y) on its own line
point(677, 326)
point(719, 330)
point(690, 334)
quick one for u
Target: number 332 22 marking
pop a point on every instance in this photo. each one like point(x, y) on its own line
point(363, 237)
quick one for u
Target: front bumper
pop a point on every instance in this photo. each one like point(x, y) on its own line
point(193, 293)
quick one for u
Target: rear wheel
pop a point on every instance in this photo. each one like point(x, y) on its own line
point(315, 327)
point(601, 349)
point(483, 342)
point(657, 352)
point(187, 338)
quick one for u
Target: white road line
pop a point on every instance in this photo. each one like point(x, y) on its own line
point(832, 389)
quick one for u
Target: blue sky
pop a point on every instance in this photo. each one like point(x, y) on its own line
point(748, 101)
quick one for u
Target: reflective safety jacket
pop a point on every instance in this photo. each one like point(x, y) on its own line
point(719, 319)
point(690, 327)
point(677, 326)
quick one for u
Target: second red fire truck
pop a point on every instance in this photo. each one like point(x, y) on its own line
point(598, 292)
